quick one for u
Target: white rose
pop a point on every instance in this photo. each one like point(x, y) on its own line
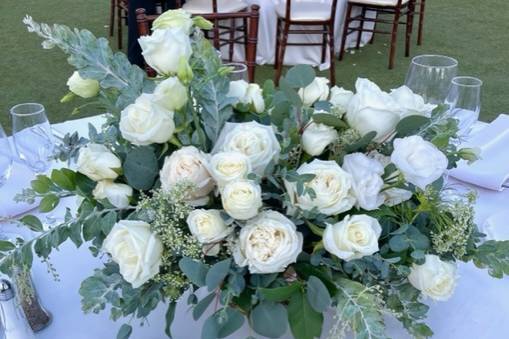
point(395, 196)
point(229, 166)
point(268, 244)
point(238, 89)
point(331, 184)
point(207, 226)
point(258, 142)
point(371, 109)
point(188, 164)
point(247, 94)
point(117, 194)
point(317, 90)
point(352, 238)
point(419, 160)
point(367, 180)
point(145, 123)
point(135, 249)
point(340, 98)
point(241, 199)
point(174, 18)
point(164, 48)
point(383, 159)
point(85, 88)
point(170, 94)
point(435, 278)
point(411, 103)
point(316, 137)
point(98, 163)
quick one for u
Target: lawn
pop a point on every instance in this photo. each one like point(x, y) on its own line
point(475, 32)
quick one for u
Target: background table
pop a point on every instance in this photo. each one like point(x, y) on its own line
point(479, 307)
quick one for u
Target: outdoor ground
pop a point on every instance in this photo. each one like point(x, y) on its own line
point(474, 32)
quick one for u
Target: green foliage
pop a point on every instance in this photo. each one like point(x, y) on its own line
point(329, 120)
point(300, 76)
point(317, 295)
point(493, 255)
point(217, 273)
point(170, 315)
point(125, 331)
point(222, 323)
point(411, 125)
point(141, 168)
point(269, 319)
point(305, 322)
point(279, 294)
point(195, 270)
point(202, 305)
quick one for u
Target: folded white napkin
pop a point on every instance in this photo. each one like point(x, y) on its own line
point(492, 170)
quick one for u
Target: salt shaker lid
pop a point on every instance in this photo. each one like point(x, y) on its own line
point(6, 290)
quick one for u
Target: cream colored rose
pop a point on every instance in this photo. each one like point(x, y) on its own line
point(247, 94)
point(117, 194)
point(316, 137)
point(241, 199)
point(145, 123)
point(419, 160)
point(331, 184)
point(340, 98)
point(85, 88)
point(395, 196)
point(229, 166)
point(258, 142)
point(371, 109)
point(352, 238)
point(174, 18)
point(188, 164)
point(135, 249)
point(435, 278)
point(98, 163)
point(411, 103)
point(316, 91)
point(170, 94)
point(207, 226)
point(367, 180)
point(268, 244)
point(163, 49)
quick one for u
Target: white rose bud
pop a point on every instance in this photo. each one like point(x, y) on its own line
point(229, 166)
point(395, 196)
point(367, 180)
point(411, 103)
point(174, 18)
point(352, 238)
point(258, 142)
point(340, 98)
point(170, 94)
point(371, 109)
point(419, 160)
point(317, 90)
point(242, 199)
point(135, 249)
point(188, 164)
point(238, 89)
point(117, 194)
point(435, 278)
point(331, 184)
point(268, 244)
point(85, 88)
point(247, 94)
point(207, 226)
point(98, 163)
point(316, 137)
point(163, 49)
point(145, 123)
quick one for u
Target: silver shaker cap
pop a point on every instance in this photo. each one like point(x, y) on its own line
point(6, 290)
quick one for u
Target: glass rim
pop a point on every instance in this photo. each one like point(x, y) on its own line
point(476, 82)
point(453, 62)
point(238, 67)
point(39, 110)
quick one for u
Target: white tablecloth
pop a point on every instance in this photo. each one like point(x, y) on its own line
point(478, 309)
point(296, 54)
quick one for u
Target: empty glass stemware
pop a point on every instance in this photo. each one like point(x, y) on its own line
point(430, 76)
point(32, 135)
point(5, 157)
point(464, 101)
point(239, 71)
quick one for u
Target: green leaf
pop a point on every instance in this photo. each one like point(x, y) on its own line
point(84, 184)
point(107, 222)
point(41, 184)
point(64, 179)
point(170, 315)
point(493, 255)
point(217, 273)
point(32, 222)
point(329, 120)
point(6, 246)
point(234, 321)
point(48, 203)
point(195, 270)
point(361, 143)
point(410, 125)
point(124, 332)
point(98, 290)
point(269, 319)
point(202, 305)
point(304, 321)
point(279, 294)
point(317, 294)
point(306, 270)
point(300, 76)
point(141, 168)
point(399, 243)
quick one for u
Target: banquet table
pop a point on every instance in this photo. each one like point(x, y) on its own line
point(479, 307)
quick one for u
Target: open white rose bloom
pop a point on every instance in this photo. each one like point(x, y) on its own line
point(282, 204)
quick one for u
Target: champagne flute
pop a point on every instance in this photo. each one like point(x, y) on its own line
point(5, 157)
point(32, 135)
point(430, 76)
point(464, 101)
point(239, 71)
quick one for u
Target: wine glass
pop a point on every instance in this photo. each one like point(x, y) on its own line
point(32, 135)
point(430, 76)
point(464, 101)
point(5, 157)
point(239, 71)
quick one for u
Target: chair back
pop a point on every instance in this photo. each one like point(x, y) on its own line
point(334, 4)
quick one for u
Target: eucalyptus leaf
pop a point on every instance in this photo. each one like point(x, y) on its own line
point(304, 321)
point(217, 273)
point(125, 331)
point(48, 203)
point(317, 294)
point(202, 305)
point(279, 294)
point(32, 222)
point(300, 76)
point(194, 270)
point(269, 319)
point(141, 168)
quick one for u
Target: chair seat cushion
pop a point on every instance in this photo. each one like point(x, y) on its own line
point(306, 10)
point(384, 3)
point(205, 6)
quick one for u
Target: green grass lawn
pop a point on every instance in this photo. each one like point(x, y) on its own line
point(475, 32)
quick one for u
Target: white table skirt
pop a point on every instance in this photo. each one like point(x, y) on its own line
point(478, 309)
point(295, 55)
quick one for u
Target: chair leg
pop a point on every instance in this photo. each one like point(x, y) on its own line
point(278, 37)
point(282, 51)
point(409, 27)
point(324, 43)
point(361, 27)
point(119, 27)
point(374, 28)
point(345, 31)
point(421, 22)
point(232, 37)
point(394, 36)
point(112, 16)
point(331, 51)
point(245, 32)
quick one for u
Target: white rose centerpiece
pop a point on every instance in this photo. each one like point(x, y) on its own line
point(242, 199)
point(247, 94)
point(411, 103)
point(208, 226)
point(85, 88)
point(174, 19)
point(435, 278)
point(98, 163)
point(170, 94)
point(229, 166)
point(316, 137)
point(117, 194)
point(340, 98)
point(316, 91)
